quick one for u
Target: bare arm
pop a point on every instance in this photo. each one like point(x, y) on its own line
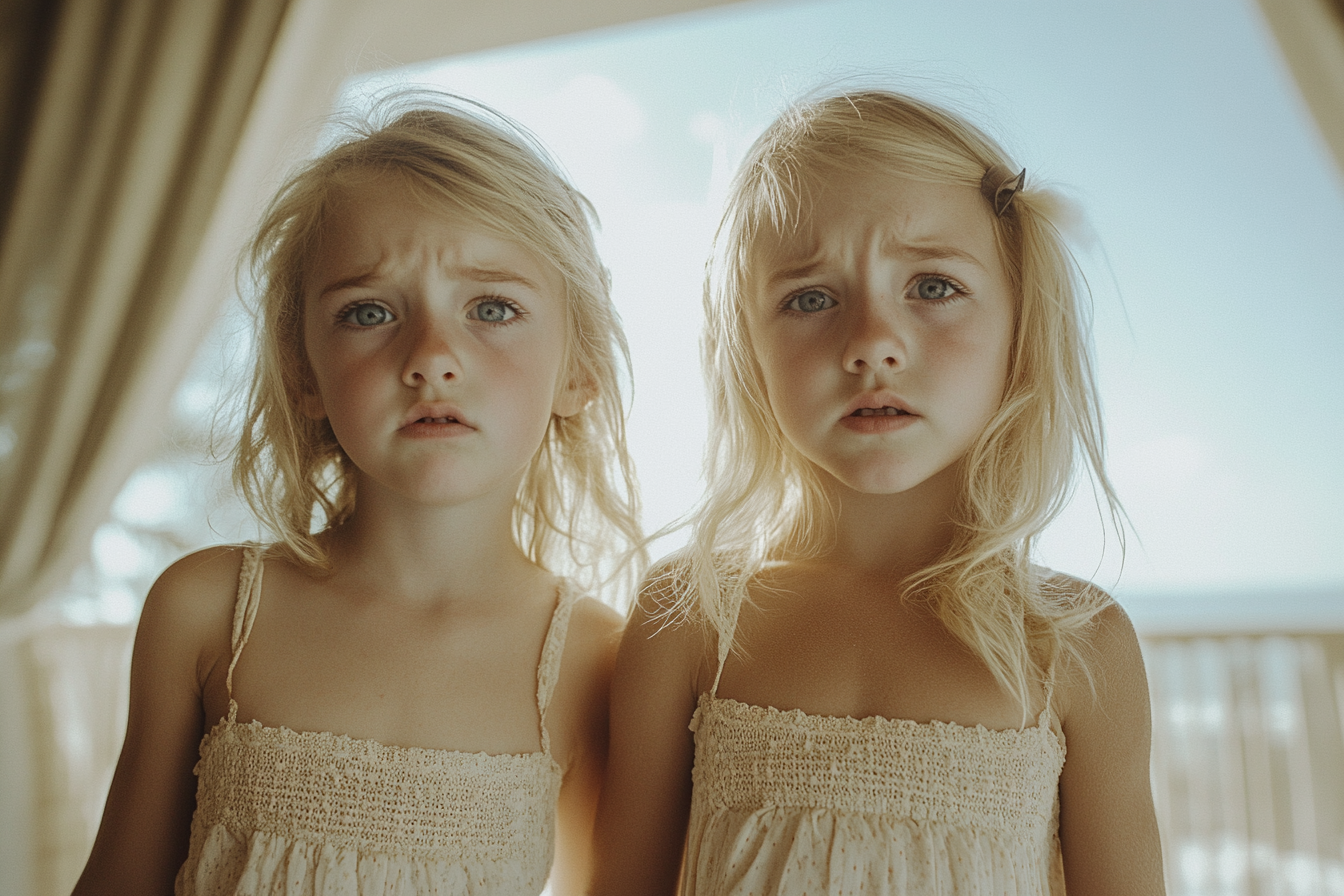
point(590, 656)
point(1108, 829)
point(641, 820)
point(143, 838)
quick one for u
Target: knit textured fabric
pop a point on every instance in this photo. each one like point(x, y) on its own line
point(290, 812)
point(786, 802)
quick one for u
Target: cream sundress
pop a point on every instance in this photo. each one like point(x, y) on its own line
point(297, 812)
point(792, 803)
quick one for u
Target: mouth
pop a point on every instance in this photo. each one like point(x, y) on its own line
point(428, 419)
point(885, 411)
point(876, 412)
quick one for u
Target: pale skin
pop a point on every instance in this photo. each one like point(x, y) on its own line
point(894, 297)
point(429, 626)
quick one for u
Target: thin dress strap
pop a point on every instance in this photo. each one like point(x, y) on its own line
point(725, 647)
point(1047, 714)
point(244, 613)
point(552, 651)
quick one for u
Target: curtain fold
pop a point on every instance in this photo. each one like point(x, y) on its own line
point(114, 160)
point(1311, 35)
point(80, 729)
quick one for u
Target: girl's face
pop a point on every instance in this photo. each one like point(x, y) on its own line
point(883, 328)
point(436, 347)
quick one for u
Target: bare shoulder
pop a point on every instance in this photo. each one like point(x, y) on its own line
point(594, 628)
point(578, 717)
point(1108, 829)
point(210, 568)
point(1105, 668)
point(590, 645)
point(192, 601)
point(1075, 593)
point(208, 573)
point(664, 642)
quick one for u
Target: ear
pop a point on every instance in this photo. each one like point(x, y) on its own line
point(573, 397)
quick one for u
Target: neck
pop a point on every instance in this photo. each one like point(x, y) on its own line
point(895, 535)
point(425, 553)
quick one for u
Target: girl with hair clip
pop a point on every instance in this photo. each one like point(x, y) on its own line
point(853, 679)
point(399, 695)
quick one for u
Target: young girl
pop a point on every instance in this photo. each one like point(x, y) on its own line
point(405, 700)
point(854, 680)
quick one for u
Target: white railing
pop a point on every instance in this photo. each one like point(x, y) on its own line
point(1248, 762)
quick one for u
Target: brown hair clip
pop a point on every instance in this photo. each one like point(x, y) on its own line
point(999, 186)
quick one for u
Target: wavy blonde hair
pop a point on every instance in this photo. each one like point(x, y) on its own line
point(577, 506)
point(763, 495)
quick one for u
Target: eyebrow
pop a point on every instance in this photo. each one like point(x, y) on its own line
point(890, 247)
point(929, 253)
point(797, 272)
point(476, 274)
point(495, 275)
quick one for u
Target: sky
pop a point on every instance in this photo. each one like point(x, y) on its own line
point(1212, 221)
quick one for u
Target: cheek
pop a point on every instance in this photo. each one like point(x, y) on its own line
point(331, 372)
point(775, 377)
point(319, 356)
point(791, 397)
point(777, 355)
point(531, 374)
point(982, 362)
point(346, 383)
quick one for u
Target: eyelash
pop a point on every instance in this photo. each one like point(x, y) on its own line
point(957, 292)
point(343, 316)
point(518, 312)
point(787, 305)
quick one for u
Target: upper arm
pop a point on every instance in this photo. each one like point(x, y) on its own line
point(590, 656)
point(1108, 829)
point(146, 822)
point(641, 821)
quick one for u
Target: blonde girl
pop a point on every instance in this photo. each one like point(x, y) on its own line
point(854, 680)
point(399, 695)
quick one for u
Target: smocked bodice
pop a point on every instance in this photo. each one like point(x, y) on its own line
point(787, 802)
point(281, 811)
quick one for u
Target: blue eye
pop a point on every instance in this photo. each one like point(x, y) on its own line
point(495, 311)
point(810, 301)
point(366, 314)
point(933, 289)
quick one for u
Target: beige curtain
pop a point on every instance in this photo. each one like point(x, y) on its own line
point(79, 730)
point(1311, 34)
point(121, 119)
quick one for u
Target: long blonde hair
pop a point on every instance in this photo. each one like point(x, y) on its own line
point(577, 507)
point(762, 494)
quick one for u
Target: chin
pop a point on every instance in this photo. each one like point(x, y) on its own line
point(884, 481)
point(886, 488)
point(877, 485)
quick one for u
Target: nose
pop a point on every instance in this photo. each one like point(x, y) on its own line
point(430, 359)
point(876, 337)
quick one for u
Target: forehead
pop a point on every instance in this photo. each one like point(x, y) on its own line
point(377, 223)
point(846, 212)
